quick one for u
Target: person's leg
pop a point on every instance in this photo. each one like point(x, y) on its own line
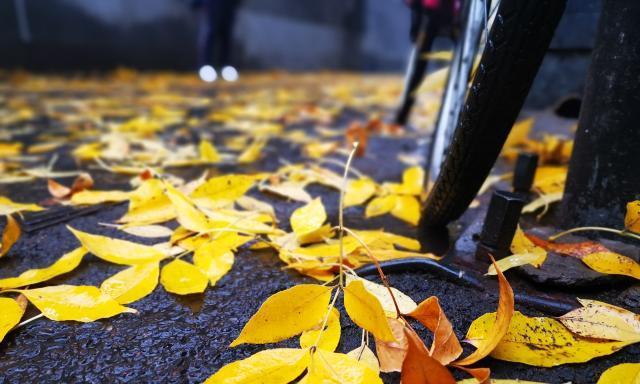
point(425, 31)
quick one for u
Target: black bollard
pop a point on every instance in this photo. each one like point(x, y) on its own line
point(500, 225)
point(604, 172)
point(525, 172)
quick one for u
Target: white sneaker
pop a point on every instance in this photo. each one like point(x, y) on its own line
point(229, 73)
point(208, 74)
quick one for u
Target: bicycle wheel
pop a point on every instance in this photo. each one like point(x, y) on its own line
point(516, 45)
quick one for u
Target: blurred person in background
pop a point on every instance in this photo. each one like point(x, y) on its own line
point(215, 38)
point(429, 19)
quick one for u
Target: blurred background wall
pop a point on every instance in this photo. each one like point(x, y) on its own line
point(362, 35)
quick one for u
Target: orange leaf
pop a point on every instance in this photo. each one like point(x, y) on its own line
point(83, 181)
point(57, 190)
point(445, 347)
point(391, 353)
point(500, 327)
point(420, 368)
point(482, 375)
point(578, 250)
point(10, 235)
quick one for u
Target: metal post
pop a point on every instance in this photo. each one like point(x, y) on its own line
point(604, 172)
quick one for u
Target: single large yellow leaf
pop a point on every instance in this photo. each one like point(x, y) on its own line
point(183, 278)
point(8, 207)
point(89, 197)
point(366, 311)
point(407, 208)
point(330, 367)
point(67, 263)
point(12, 311)
point(613, 264)
point(359, 191)
point(500, 326)
point(632, 217)
point(214, 259)
point(286, 314)
point(133, 283)
point(328, 338)
point(208, 152)
point(117, 251)
point(627, 373)
point(602, 321)
point(70, 302)
point(222, 191)
point(405, 303)
point(149, 205)
point(188, 215)
point(308, 218)
point(539, 341)
point(10, 235)
point(273, 366)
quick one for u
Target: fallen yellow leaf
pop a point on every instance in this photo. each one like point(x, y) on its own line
point(70, 302)
point(328, 338)
point(67, 263)
point(286, 314)
point(273, 366)
point(117, 251)
point(330, 367)
point(183, 278)
point(612, 264)
point(133, 283)
point(12, 311)
point(500, 326)
point(366, 311)
point(214, 260)
point(626, 373)
point(539, 341)
point(308, 218)
point(359, 191)
point(365, 355)
point(600, 320)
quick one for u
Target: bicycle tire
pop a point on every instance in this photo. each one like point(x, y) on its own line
point(517, 43)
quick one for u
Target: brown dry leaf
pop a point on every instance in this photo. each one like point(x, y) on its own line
point(501, 325)
point(391, 353)
point(446, 347)
point(578, 250)
point(420, 368)
point(10, 235)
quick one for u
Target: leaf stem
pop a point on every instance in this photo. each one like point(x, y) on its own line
point(341, 209)
point(326, 318)
point(601, 229)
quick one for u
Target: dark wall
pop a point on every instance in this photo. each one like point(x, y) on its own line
point(370, 35)
point(161, 34)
